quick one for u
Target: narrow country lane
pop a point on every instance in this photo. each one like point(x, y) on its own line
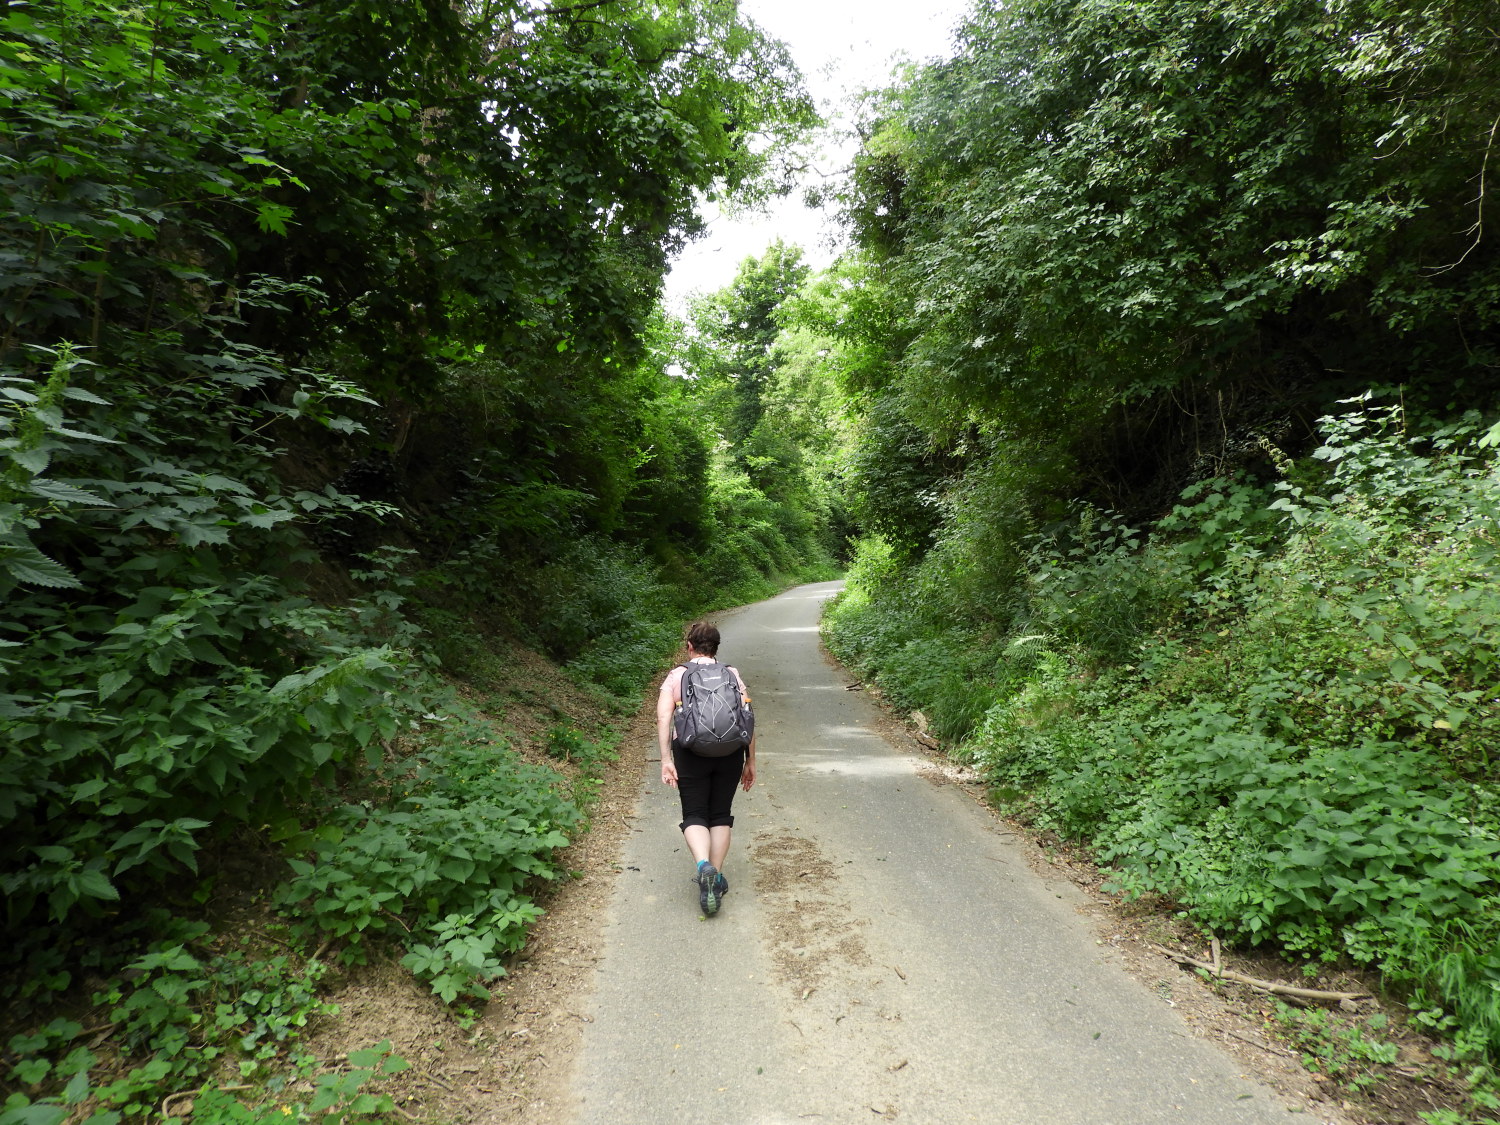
point(885, 952)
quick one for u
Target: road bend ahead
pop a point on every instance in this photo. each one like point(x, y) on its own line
point(884, 952)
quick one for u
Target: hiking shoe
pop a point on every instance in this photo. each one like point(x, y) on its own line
point(708, 889)
point(722, 886)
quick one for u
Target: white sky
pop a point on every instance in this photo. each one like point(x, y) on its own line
point(841, 45)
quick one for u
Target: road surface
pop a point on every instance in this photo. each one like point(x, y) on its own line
point(884, 953)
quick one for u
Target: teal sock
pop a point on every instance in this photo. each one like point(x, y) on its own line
point(702, 863)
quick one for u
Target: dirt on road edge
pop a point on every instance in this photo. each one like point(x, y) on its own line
point(537, 1025)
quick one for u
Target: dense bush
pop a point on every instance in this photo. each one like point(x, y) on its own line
point(164, 681)
point(1278, 708)
point(446, 856)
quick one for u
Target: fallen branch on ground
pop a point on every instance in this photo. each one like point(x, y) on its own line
point(1262, 1046)
point(1274, 987)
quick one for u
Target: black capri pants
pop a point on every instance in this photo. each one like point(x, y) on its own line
point(706, 786)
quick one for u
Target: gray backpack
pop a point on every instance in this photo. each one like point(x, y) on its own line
point(713, 720)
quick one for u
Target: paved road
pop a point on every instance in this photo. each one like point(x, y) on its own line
point(885, 953)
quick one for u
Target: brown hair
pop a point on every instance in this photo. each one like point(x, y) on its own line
point(702, 638)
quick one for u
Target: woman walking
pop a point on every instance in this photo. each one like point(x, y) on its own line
point(705, 784)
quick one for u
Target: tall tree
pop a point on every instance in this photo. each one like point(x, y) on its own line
point(1143, 230)
point(223, 220)
point(736, 328)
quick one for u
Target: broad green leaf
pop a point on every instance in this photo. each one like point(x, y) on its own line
point(95, 884)
point(112, 681)
point(67, 493)
point(36, 569)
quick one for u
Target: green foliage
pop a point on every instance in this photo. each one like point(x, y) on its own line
point(1480, 1085)
point(184, 1012)
point(338, 1098)
point(1278, 712)
point(761, 384)
point(560, 554)
point(564, 743)
point(447, 860)
point(111, 786)
point(483, 191)
point(1339, 1049)
point(907, 643)
point(35, 1054)
point(159, 681)
point(1320, 785)
point(353, 299)
point(464, 950)
point(19, 1109)
point(896, 477)
point(1115, 248)
point(1092, 589)
point(172, 1004)
point(731, 352)
point(1167, 236)
point(1454, 973)
point(751, 539)
point(608, 614)
point(1134, 243)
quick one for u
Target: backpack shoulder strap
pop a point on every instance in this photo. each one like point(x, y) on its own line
point(686, 666)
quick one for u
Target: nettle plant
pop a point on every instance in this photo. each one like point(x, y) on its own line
point(1368, 677)
point(445, 858)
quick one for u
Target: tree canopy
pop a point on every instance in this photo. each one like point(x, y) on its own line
point(1104, 218)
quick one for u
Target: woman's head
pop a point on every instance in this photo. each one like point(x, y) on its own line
point(702, 638)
